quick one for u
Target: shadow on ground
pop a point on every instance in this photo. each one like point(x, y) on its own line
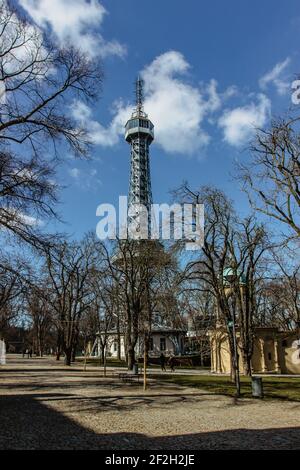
point(26, 423)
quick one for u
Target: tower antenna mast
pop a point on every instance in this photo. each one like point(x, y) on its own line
point(139, 95)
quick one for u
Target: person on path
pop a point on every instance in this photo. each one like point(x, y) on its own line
point(162, 361)
point(172, 362)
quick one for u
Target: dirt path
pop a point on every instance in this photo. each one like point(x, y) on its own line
point(44, 405)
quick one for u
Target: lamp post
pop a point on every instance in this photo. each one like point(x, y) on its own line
point(298, 327)
point(146, 338)
point(231, 324)
point(229, 276)
point(298, 333)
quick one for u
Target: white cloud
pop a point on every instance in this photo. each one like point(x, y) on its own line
point(176, 108)
point(85, 178)
point(239, 124)
point(74, 172)
point(76, 22)
point(2, 93)
point(18, 218)
point(30, 221)
point(277, 77)
point(179, 110)
point(21, 50)
point(98, 134)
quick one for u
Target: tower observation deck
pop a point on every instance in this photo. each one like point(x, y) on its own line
point(139, 133)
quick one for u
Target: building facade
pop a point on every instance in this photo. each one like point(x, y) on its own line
point(164, 340)
point(274, 351)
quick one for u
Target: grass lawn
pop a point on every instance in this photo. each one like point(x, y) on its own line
point(285, 388)
point(95, 361)
point(112, 362)
point(274, 387)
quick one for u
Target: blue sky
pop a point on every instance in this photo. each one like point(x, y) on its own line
point(213, 70)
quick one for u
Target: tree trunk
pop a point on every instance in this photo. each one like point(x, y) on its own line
point(146, 356)
point(103, 354)
point(104, 363)
point(58, 346)
point(68, 356)
point(39, 344)
point(201, 354)
point(130, 357)
point(74, 353)
point(118, 338)
point(74, 347)
point(233, 373)
point(232, 370)
point(247, 365)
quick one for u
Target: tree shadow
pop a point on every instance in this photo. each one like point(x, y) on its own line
point(27, 423)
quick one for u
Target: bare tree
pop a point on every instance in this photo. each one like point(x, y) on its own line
point(274, 306)
point(161, 280)
point(135, 267)
point(27, 193)
point(280, 293)
point(272, 178)
point(38, 84)
point(67, 269)
point(39, 80)
point(200, 312)
point(104, 308)
point(289, 266)
point(227, 267)
point(205, 272)
point(247, 247)
point(40, 314)
point(11, 288)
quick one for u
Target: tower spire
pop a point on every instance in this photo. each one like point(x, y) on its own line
point(139, 98)
point(139, 94)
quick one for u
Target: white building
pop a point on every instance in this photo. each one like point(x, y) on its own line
point(164, 339)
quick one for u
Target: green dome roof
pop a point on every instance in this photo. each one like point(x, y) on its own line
point(229, 273)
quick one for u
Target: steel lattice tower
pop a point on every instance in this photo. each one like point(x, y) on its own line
point(139, 133)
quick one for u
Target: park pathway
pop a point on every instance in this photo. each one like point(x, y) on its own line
point(45, 405)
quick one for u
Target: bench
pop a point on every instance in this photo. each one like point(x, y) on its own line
point(129, 377)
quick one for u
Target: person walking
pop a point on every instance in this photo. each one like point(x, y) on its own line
point(162, 361)
point(172, 362)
